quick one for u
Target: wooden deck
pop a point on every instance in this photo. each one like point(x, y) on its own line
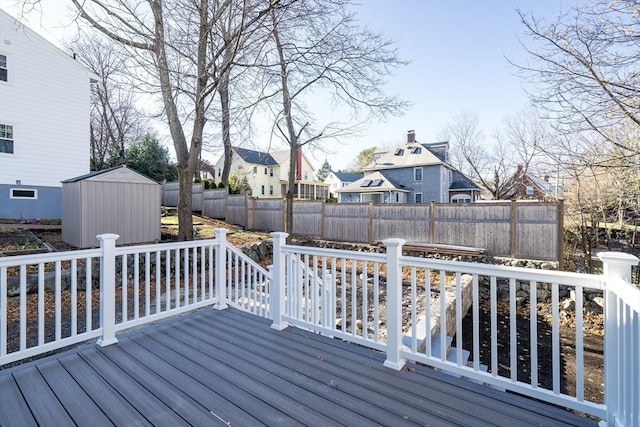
point(229, 368)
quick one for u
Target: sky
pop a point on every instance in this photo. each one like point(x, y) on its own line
point(457, 49)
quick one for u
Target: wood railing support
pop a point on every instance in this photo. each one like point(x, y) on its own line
point(221, 268)
point(278, 283)
point(108, 289)
point(394, 303)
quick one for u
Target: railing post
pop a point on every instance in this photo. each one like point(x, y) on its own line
point(221, 268)
point(615, 265)
point(278, 283)
point(108, 289)
point(328, 301)
point(394, 304)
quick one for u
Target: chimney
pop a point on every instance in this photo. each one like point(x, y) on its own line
point(411, 136)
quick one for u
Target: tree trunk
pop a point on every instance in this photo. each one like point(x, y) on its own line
point(223, 91)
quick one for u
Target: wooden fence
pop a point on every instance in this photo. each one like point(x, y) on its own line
point(522, 229)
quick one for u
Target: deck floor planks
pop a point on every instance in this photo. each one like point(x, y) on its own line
point(252, 385)
point(43, 403)
point(13, 409)
point(396, 411)
point(236, 395)
point(288, 383)
point(171, 394)
point(189, 384)
point(386, 386)
point(154, 410)
point(77, 403)
point(233, 362)
point(112, 403)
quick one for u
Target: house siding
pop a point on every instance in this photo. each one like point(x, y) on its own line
point(47, 100)
point(430, 186)
point(46, 206)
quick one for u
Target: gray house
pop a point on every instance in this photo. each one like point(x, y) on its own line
point(118, 200)
point(411, 173)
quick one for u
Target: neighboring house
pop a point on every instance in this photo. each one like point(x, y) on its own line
point(526, 186)
point(336, 180)
point(411, 173)
point(305, 184)
point(267, 174)
point(44, 122)
point(260, 169)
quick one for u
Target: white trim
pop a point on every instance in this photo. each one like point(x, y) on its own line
point(415, 198)
point(415, 169)
point(12, 189)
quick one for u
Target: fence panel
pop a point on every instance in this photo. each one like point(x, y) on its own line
point(214, 203)
point(536, 231)
point(307, 218)
point(196, 192)
point(170, 192)
point(347, 222)
point(410, 222)
point(481, 225)
point(266, 214)
point(237, 209)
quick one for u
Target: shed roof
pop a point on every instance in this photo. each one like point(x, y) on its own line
point(116, 174)
point(255, 157)
point(348, 177)
point(372, 183)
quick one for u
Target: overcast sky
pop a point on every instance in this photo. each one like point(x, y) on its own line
point(457, 49)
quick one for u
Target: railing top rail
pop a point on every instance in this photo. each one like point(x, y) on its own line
point(127, 250)
point(335, 253)
point(249, 261)
point(18, 260)
point(520, 273)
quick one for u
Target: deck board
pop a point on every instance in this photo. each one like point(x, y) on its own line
point(217, 367)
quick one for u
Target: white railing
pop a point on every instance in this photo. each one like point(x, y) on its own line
point(50, 301)
point(415, 308)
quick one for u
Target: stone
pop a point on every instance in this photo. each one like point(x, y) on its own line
point(599, 300)
point(569, 304)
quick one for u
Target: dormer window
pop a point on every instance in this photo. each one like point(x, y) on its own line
point(4, 70)
point(416, 150)
point(366, 183)
point(399, 152)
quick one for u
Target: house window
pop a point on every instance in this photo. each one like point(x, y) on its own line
point(461, 198)
point(4, 71)
point(529, 190)
point(271, 190)
point(23, 193)
point(270, 171)
point(262, 190)
point(371, 197)
point(255, 169)
point(265, 171)
point(417, 174)
point(6, 138)
point(219, 172)
point(417, 198)
point(306, 176)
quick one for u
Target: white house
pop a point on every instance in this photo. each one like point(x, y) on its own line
point(44, 122)
point(337, 180)
point(267, 173)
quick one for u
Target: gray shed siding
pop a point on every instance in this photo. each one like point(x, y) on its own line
point(122, 202)
point(430, 185)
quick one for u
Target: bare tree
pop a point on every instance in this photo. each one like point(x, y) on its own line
point(317, 44)
point(172, 46)
point(116, 123)
point(584, 71)
point(517, 145)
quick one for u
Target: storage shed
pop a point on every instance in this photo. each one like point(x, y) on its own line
point(118, 200)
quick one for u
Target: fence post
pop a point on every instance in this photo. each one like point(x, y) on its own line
point(221, 268)
point(278, 282)
point(615, 265)
point(432, 222)
point(394, 303)
point(108, 289)
point(370, 228)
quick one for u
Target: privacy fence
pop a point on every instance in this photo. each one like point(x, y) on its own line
point(522, 229)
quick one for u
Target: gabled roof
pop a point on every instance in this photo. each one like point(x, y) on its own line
point(348, 177)
point(255, 157)
point(116, 174)
point(410, 154)
point(460, 181)
point(372, 183)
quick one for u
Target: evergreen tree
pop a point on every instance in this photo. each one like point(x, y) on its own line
point(151, 159)
point(324, 171)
